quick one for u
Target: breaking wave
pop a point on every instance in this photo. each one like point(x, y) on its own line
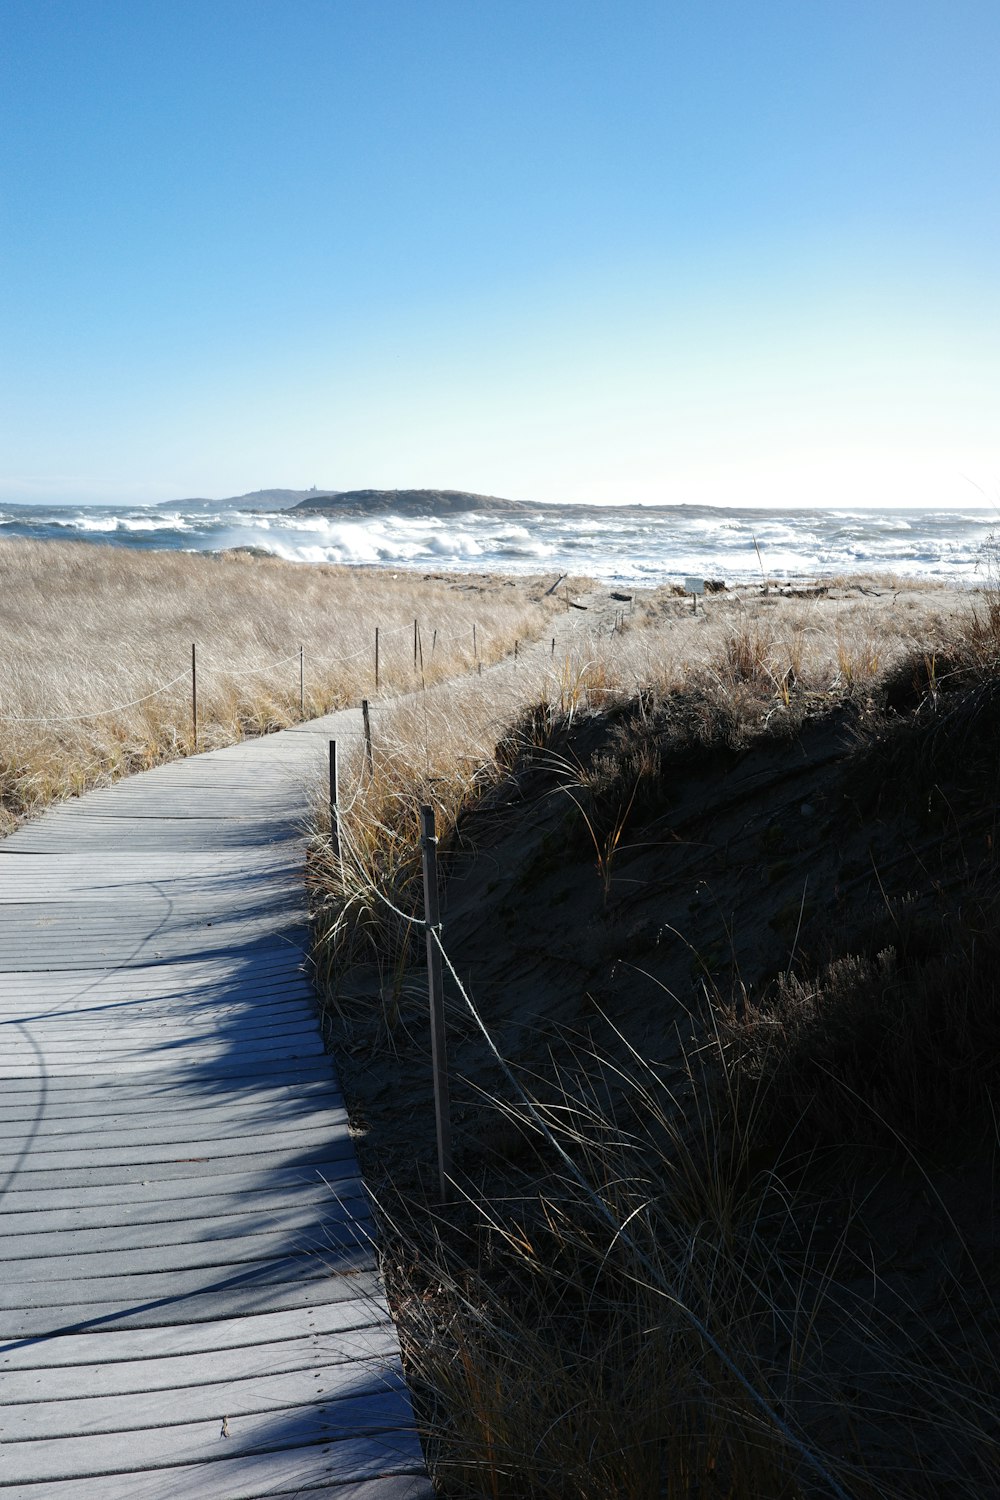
point(622, 544)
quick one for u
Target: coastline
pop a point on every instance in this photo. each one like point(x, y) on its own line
point(636, 545)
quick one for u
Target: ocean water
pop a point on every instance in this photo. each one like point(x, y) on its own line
point(641, 545)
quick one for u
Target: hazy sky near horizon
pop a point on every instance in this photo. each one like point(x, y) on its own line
point(604, 250)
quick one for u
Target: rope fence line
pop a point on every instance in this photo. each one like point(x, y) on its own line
point(437, 954)
point(217, 670)
point(351, 656)
point(621, 1235)
point(241, 672)
point(99, 713)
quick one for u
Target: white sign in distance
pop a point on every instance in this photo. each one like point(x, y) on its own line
point(694, 585)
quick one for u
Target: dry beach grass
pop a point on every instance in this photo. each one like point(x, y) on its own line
point(723, 890)
point(95, 652)
point(746, 659)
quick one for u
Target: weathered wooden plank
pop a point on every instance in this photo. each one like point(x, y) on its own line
point(23, 1052)
point(204, 1064)
point(205, 931)
point(322, 1110)
point(274, 1475)
point(197, 1209)
point(22, 898)
point(186, 1244)
point(167, 1182)
point(191, 1167)
point(274, 1145)
point(145, 1211)
point(72, 945)
point(166, 984)
point(237, 1395)
point(184, 975)
point(385, 1416)
point(105, 1039)
point(135, 1187)
point(204, 866)
point(231, 1300)
point(68, 995)
point(322, 1327)
point(236, 983)
point(104, 897)
point(154, 835)
point(367, 1351)
point(216, 1074)
point(295, 1040)
point(73, 820)
point(135, 1104)
point(270, 793)
point(21, 1242)
point(181, 793)
point(255, 1277)
point(250, 1003)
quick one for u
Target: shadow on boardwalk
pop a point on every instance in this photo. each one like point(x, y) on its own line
point(189, 1302)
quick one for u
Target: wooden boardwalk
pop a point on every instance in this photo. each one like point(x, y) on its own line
point(189, 1308)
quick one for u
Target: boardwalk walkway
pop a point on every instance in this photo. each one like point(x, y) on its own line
point(189, 1308)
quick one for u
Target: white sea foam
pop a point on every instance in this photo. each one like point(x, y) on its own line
point(87, 523)
point(621, 543)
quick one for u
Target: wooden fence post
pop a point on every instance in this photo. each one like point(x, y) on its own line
point(376, 658)
point(435, 987)
point(368, 737)
point(414, 645)
point(194, 696)
point(334, 802)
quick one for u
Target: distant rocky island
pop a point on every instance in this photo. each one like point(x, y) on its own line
point(255, 500)
point(406, 502)
point(355, 502)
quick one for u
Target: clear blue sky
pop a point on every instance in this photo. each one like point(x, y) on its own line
point(693, 250)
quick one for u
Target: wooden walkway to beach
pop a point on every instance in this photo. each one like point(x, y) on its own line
point(189, 1308)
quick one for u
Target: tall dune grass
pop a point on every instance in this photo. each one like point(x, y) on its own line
point(95, 652)
point(745, 665)
point(556, 1356)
